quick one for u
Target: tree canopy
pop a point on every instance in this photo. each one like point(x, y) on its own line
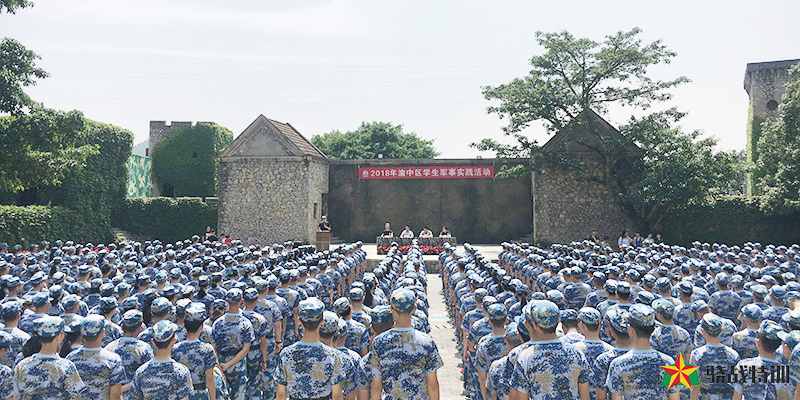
point(41, 147)
point(778, 164)
point(185, 163)
point(676, 169)
point(372, 139)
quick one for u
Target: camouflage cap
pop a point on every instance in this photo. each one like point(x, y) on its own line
point(93, 325)
point(521, 328)
point(792, 339)
point(664, 307)
point(130, 303)
point(160, 306)
point(310, 310)
point(759, 291)
point(769, 330)
point(777, 292)
point(752, 312)
point(250, 294)
point(107, 303)
point(791, 320)
point(497, 312)
point(618, 319)
point(40, 299)
point(219, 304)
point(568, 315)
point(544, 314)
point(330, 323)
point(623, 287)
point(686, 287)
point(480, 294)
point(233, 295)
point(11, 308)
point(49, 326)
point(342, 331)
point(341, 306)
point(381, 314)
point(645, 297)
point(164, 330)
point(712, 324)
point(699, 305)
point(556, 297)
point(641, 315)
point(132, 318)
point(512, 333)
point(488, 300)
point(589, 316)
point(403, 300)
point(356, 294)
point(195, 313)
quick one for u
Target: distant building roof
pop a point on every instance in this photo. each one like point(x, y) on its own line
point(588, 131)
point(269, 138)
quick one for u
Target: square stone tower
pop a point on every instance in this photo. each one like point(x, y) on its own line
point(765, 83)
point(272, 185)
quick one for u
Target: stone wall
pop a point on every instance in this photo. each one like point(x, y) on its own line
point(566, 209)
point(268, 198)
point(159, 130)
point(474, 210)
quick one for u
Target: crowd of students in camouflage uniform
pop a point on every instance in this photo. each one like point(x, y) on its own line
point(209, 320)
point(591, 322)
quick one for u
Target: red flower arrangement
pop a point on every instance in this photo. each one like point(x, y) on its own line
point(426, 250)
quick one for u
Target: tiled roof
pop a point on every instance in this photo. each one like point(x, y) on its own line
point(297, 139)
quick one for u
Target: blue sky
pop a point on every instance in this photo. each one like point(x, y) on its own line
point(324, 65)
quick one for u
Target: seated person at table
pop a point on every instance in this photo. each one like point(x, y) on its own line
point(425, 233)
point(445, 233)
point(387, 231)
point(407, 233)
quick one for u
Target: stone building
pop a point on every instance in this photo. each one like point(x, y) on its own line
point(272, 184)
point(765, 83)
point(567, 206)
point(160, 130)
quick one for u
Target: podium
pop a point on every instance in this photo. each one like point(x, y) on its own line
point(323, 241)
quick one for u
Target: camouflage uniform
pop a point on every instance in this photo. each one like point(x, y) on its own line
point(637, 374)
point(755, 387)
point(197, 356)
point(255, 376)
point(45, 377)
point(309, 370)
point(162, 379)
point(549, 369)
point(99, 369)
point(403, 357)
point(713, 356)
point(230, 333)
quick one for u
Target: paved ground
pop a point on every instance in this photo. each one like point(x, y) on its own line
point(450, 384)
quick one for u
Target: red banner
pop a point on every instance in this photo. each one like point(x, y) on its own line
point(436, 172)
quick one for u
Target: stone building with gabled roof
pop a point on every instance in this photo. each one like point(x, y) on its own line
point(566, 205)
point(272, 184)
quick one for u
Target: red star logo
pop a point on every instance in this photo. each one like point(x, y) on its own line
point(679, 373)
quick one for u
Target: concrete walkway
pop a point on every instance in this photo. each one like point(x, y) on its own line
point(450, 376)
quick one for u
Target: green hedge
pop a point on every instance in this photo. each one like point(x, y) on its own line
point(187, 159)
point(97, 190)
point(166, 219)
point(23, 225)
point(733, 220)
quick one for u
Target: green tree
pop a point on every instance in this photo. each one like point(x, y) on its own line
point(673, 170)
point(778, 164)
point(186, 161)
point(372, 139)
point(40, 148)
point(679, 169)
point(11, 6)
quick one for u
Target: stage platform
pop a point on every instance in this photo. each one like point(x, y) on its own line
point(490, 251)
